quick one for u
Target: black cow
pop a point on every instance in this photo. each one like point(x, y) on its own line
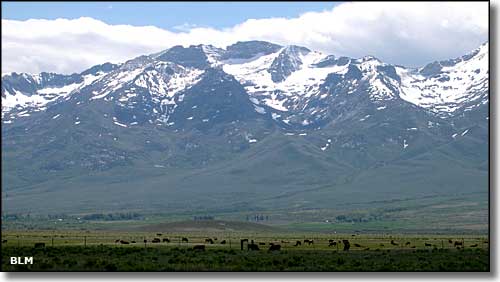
point(473, 246)
point(298, 243)
point(223, 242)
point(262, 243)
point(208, 240)
point(347, 245)
point(156, 240)
point(158, 234)
point(133, 242)
point(124, 242)
point(274, 247)
point(39, 245)
point(428, 245)
point(309, 241)
point(332, 244)
point(357, 245)
point(458, 243)
point(166, 240)
point(184, 239)
point(199, 248)
point(393, 243)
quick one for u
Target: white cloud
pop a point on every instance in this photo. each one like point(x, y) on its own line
point(411, 33)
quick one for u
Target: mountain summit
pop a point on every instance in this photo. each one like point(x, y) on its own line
point(280, 80)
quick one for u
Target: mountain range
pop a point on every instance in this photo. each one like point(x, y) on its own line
point(256, 127)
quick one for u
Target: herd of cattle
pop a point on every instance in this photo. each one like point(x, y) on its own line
point(250, 245)
point(253, 246)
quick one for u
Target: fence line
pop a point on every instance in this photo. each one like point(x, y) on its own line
point(398, 242)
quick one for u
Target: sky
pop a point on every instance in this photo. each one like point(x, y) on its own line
point(68, 37)
point(167, 15)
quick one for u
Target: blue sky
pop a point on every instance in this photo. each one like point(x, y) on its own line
point(162, 14)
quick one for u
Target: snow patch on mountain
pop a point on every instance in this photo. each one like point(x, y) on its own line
point(302, 83)
point(38, 101)
point(452, 87)
point(160, 83)
point(115, 81)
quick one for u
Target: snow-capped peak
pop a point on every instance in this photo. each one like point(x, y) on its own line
point(290, 79)
point(460, 83)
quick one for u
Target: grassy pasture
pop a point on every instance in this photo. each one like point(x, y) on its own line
point(98, 251)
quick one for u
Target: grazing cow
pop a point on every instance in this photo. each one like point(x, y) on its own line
point(473, 246)
point(309, 241)
point(117, 241)
point(263, 244)
point(199, 248)
point(347, 245)
point(274, 247)
point(184, 239)
point(408, 243)
point(393, 243)
point(458, 243)
point(332, 244)
point(208, 240)
point(298, 243)
point(428, 245)
point(133, 242)
point(353, 235)
point(158, 234)
point(124, 242)
point(39, 245)
point(4, 241)
point(357, 245)
point(223, 242)
point(166, 240)
point(156, 240)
